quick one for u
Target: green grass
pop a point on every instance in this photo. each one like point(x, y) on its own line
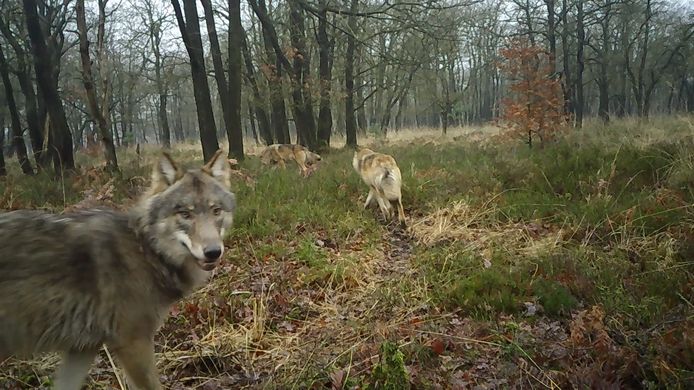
point(603, 217)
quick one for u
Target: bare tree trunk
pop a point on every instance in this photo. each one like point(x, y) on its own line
point(251, 119)
point(689, 92)
point(603, 80)
point(325, 47)
point(256, 103)
point(101, 118)
point(3, 169)
point(278, 109)
point(580, 64)
point(220, 78)
point(301, 93)
point(155, 36)
point(358, 89)
point(16, 132)
point(637, 80)
point(350, 122)
point(46, 74)
point(567, 85)
point(622, 98)
point(234, 129)
point(551, 34)
point(43, 159)
point(164, 119)
point(190, 31)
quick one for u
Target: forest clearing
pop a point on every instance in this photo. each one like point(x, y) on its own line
point(569, 266)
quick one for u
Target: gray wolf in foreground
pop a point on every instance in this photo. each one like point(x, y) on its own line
point(72, 282)
point(381, 173)
point(279, 153)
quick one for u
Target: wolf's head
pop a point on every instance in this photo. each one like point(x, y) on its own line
point(312, 158)
point(268, 154)
point(185, 213)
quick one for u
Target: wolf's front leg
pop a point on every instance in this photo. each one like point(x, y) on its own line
point(137, 357)
point(73, 369)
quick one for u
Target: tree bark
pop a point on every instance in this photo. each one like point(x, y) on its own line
point(42, 157)
point(567, 85)
point(325, 49)
point(3, 169)
point(603, 80)
point(219, 76)
point(46, 74)
point(16, 133)
point(301, 92)
point(552, 34)
point(580, 63)
point(273, 73)
point(257, 103)
point(100, 115)
point(350, 121)
point(190, 31)
point(234, 129)
point(155, 36)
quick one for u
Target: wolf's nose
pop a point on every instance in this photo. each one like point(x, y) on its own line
point(213, 252)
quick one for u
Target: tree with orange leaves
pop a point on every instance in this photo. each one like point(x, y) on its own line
point(534, 109)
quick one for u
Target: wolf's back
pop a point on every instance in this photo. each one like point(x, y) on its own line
point(59, 279)
point(391, 182)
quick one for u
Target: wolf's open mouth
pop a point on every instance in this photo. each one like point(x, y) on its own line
point(208, 266)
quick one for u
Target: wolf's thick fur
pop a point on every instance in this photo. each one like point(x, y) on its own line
point(72, 282)
point(279, 153)
point(381, 173)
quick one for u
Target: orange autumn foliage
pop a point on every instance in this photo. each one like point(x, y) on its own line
point(534, 108)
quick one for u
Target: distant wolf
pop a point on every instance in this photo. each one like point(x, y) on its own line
point(279, 153)
point(381, 173)
point(72, 282)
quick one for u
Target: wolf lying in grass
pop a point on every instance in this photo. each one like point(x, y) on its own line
point(381, 173)
point(72, 282)
point(279, 153)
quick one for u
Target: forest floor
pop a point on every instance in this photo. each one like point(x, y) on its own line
point(569, 266)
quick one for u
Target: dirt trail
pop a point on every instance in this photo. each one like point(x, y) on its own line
point(397, 250)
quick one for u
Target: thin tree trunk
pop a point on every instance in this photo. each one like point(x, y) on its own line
point(603, 80)
point(43, 160)
point(234, 129)
point(301, 93)
point(3, 169)
point(251, 119)
point(325, 47)
point(350, 121)
point(16, 136)
point(46, 74)
point(257, 103)
point(190, 31)
point(567, 85)
point(100, 117)
point(280, 123)
point(219, 76)
point(580, 64)
point(551, 34)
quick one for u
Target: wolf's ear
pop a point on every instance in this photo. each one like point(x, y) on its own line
point(164, 174)
point(219, 168)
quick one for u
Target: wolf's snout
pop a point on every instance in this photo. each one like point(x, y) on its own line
point(212, 253)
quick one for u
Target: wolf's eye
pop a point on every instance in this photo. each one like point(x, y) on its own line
point(216, 211)
point(185, 214)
